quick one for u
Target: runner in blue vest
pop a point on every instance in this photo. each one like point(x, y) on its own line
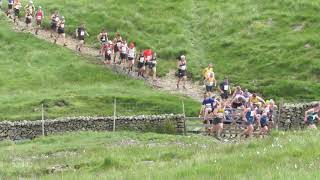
point(249, 115)
point(312, 116)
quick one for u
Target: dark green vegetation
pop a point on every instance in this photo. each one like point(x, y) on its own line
point(129, 155)
point(270, 47)
point(33, 72)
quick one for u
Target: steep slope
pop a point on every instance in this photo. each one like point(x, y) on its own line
point(267, 47)
point(33, 72)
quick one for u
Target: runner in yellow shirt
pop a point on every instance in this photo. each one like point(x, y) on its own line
point(207, 71)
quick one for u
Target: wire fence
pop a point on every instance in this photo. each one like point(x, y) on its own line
point(120, 107)
point(51, 109)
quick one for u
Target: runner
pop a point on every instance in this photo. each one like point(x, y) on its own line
point(207, 71)
point(10, 4)
point(123, 53)
point(256, 100)
point(311, 116)
point(131, 56)
point(28, 20)
point(182, 74)
point(247, 94)
point(206, 111)
point(39, 17)
point(237, 92)
point(103, 39)
point(147, 58)
point(270, 108)
point(153, 66)
point(10, 9)
point(80, 34)
point(219, 116)
point(30, 8)
point(208, 105)
point(249, 116)
point(238, 102)
point(263, 123)
point(141, 65)
point(16, 8)
point(60, 30)
point(107, 51)
point(54, 21)
point(225, 89)
point(116, 48)
point(210, 82)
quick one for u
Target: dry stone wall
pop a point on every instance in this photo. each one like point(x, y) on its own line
point(30, 129)
point(292, 115)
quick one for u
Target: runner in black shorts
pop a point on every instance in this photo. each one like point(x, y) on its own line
point(28, 19)
point(16, 9)
point(61, 33)
point(116, 47)
point(54, 23)
point(81, 33)
point(225, 89)
point(10, 4)
point(141, 64)
point(182, 67)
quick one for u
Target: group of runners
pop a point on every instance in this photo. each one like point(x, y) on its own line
point(256, 113)
point(119, 51)
point(248, 110)
point(113, 51)
point(253, 111)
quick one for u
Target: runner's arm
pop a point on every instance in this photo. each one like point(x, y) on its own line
point(261, 100)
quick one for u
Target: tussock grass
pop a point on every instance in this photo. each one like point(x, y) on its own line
point(130, 155)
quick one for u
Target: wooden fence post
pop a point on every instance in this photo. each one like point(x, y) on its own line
point(114, 114)
point(42, 119)
point(184, 119)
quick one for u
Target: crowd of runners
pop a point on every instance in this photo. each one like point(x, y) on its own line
point(219, 98)
point(254, 113)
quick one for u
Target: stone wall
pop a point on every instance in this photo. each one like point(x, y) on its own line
point(30, 129)
point(292, 115)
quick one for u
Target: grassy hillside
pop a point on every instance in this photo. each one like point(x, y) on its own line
point(129, 155)
point(33, 72)
point(268, 47)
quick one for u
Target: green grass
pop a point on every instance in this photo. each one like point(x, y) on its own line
point(130, 155)
point(33, 72)
point(251, 41)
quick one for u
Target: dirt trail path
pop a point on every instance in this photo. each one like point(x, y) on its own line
point(167, 83)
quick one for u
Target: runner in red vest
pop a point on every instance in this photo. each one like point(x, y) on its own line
point(147, 58)
point(39, 17)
